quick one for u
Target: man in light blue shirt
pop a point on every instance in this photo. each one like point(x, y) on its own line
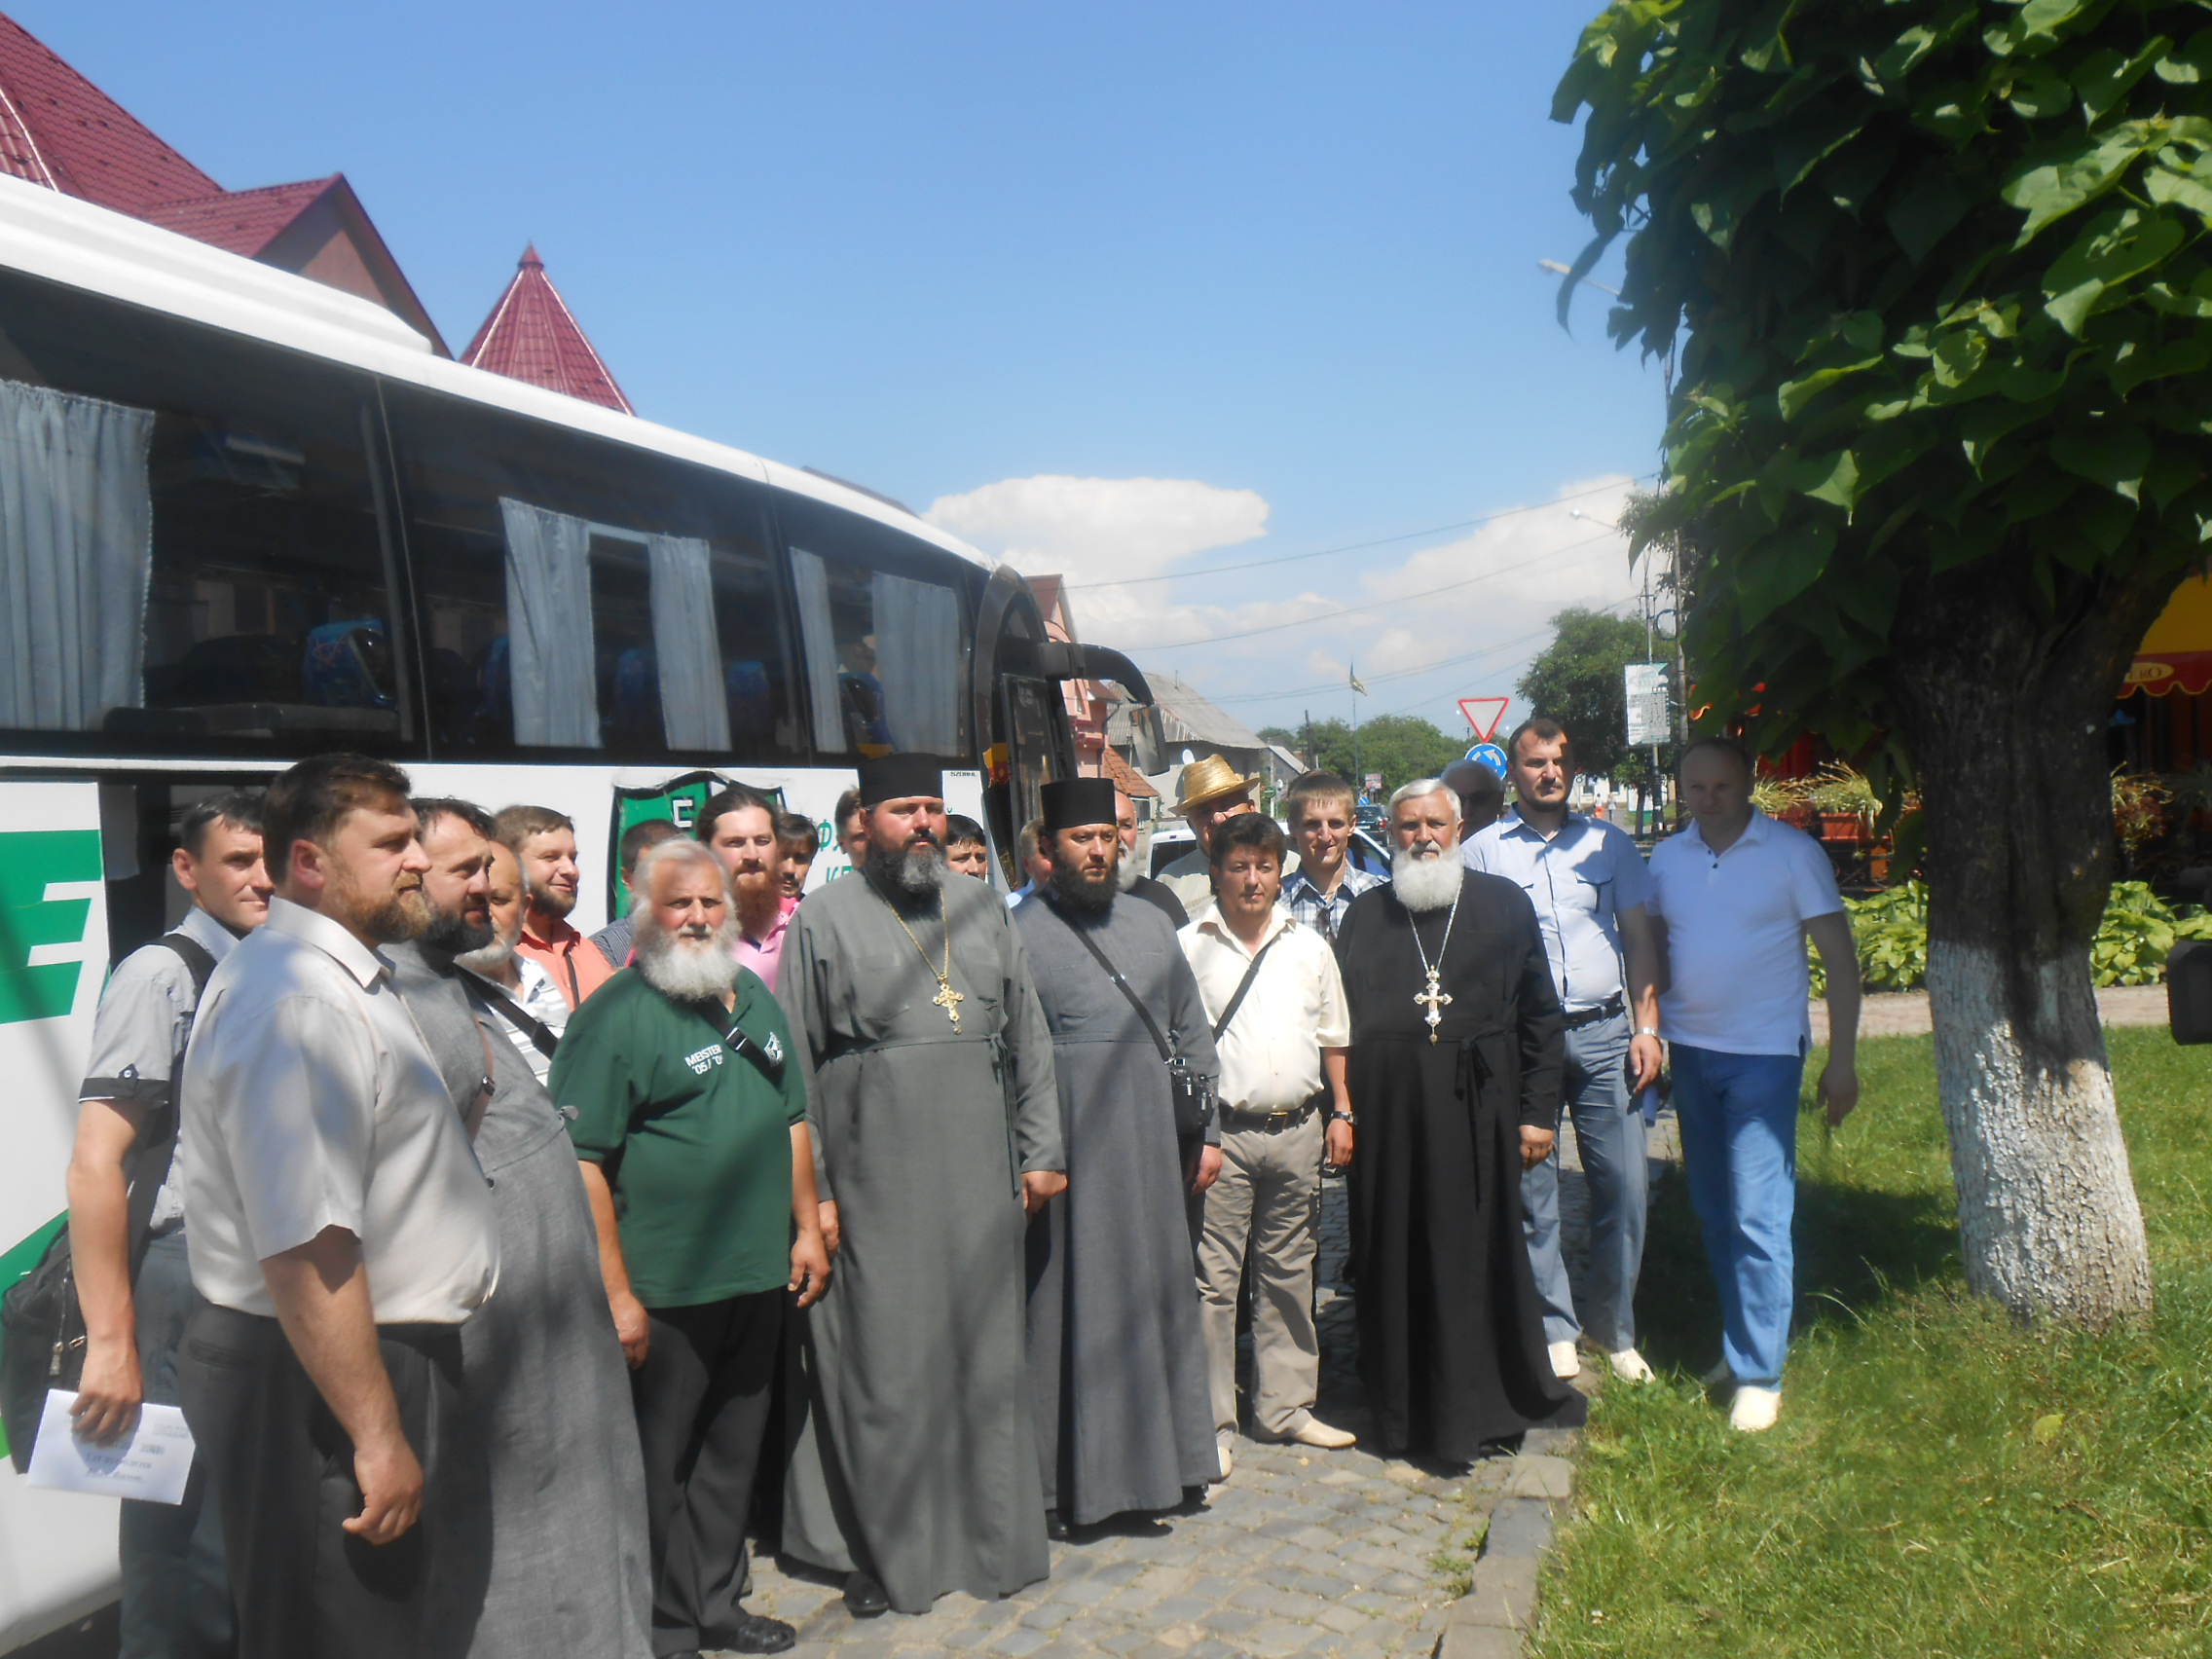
point(1588, 885)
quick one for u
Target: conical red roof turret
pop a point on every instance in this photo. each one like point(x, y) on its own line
point(531, 335)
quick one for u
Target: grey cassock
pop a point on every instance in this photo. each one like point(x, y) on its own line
point(543, 1381)
point(912, 1456)
point(1117, 1353)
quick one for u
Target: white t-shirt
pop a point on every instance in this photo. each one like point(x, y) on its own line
point(311, 1102)
point(1736, 936)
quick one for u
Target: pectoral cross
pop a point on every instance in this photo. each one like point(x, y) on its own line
point(950, 1000)
point(1435, 999)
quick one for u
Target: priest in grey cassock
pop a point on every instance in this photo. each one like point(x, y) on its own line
point(937, 1129)
point(1456, 1050)
point(1124, 1415)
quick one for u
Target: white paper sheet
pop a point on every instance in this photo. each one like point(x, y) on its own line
point(151, 1464)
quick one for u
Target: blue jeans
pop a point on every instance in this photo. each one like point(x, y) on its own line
point(1739, 1121)
point(176, 1597)
point(1609, 1135)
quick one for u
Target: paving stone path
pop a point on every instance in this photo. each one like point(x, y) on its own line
point(1301, 1551)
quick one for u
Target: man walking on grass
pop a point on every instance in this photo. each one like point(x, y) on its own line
point(1587, 882)
point(1735, 895)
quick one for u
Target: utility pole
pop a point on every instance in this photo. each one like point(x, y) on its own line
point(1312, 760)
point(1358, 774)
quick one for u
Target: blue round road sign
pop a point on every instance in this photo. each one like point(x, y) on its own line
point(1490, 755)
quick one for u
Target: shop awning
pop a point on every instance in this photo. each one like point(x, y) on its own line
point(2176, 655)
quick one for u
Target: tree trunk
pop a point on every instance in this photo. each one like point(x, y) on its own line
point(2005, 712)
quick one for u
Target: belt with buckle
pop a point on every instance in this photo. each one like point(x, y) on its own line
point(1612, 1008)
point(1274, 1122)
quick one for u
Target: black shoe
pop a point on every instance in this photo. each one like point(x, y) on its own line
point(863, 1598)
point(1055, 1527)
point(757, 1635)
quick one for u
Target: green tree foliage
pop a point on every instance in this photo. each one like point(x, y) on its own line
point(1576, 680)
point(1400, 746)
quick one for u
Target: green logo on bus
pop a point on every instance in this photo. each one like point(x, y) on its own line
point(30, 862)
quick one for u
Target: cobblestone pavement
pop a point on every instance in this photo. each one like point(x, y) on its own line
point(1299, 1552)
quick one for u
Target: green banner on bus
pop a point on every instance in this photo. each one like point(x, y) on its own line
point(677, 801)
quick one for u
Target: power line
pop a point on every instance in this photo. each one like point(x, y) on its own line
point(1353, 546)
point(1386, 604)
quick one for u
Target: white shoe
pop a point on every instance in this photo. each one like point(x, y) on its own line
point(1325, 1437)
point(1630, 1366)
point(1719, 1376)
point(1565, 1362)
point(1756, 1408)
point(1225, 1440)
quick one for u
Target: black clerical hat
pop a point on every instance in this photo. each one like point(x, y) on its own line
point(1079, 800)
point(897, 777)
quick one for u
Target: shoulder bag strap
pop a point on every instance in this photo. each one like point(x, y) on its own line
point(1251, 973)
point(472, 1120)
point(151, 1158)
point(543, 1036)
point(1158, 1037)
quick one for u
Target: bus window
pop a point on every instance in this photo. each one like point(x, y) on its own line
point(193, 554)
point(887, 633)
point(578, 594)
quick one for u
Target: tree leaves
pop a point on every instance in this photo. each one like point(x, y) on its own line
point(2116, 457)
point(2116, 245)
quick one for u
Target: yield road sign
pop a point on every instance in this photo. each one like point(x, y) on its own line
point(1484, 713)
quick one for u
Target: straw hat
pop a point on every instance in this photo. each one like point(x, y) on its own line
point(1210, 780)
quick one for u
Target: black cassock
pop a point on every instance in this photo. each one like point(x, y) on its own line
point(1451, 1335)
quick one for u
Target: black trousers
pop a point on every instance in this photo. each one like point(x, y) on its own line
point(703, 1398)
point(283, 1470)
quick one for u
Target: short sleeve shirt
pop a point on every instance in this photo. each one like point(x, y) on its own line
point(1735, 935)
point(145, 1015)
point(1270, 1053)
point(1579, 881)
point(694, 1135)
point(310, 1101)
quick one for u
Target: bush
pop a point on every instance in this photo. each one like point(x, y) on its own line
point(2138, 930)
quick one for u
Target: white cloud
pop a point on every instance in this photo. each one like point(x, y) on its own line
point(1091, 529)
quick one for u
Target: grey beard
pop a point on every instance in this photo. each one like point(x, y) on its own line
point(1069, 885)
point(688, 970)
point(915, 874)
point(1427, 884)
point(488, 959)
point(455, 937)
point(1125, 872)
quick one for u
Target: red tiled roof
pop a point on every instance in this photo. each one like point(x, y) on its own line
point(240, 221)
point(531, 335)
point(58, 129)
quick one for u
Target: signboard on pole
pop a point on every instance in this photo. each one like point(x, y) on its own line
point(1647, 723)
point(1374, 783)
point(1485, 715)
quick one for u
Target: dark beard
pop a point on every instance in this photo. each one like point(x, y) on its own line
point(907, 876)
point(455, 936)
point(1071, 888)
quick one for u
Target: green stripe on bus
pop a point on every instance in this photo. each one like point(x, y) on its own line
point(18, 1260)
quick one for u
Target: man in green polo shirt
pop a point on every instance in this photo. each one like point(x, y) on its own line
point(690, 1119)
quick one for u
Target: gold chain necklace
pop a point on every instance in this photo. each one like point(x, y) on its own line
point(947, 997)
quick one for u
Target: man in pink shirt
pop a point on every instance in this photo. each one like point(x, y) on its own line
point(739, 827)
point(544, 843)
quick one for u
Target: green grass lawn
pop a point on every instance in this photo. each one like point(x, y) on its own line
point(1942, 1483)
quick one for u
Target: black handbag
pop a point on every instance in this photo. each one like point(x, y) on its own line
point(42, 1324)
point(1188, 1089)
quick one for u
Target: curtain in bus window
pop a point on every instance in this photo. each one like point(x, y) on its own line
point(694, 708)
point(810, 578)
point(917, 658)
point(76, 555)
point(549, 641)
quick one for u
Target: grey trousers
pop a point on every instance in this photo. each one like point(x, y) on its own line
point(1609, 1135)
point(176, 1597)
point(1266, 1201)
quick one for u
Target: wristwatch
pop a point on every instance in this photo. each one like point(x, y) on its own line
point(1647, 1030)
point(1343, 1118)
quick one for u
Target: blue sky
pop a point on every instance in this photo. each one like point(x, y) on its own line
point(1112, 290)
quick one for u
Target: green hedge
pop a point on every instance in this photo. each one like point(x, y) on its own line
point(2130, 948)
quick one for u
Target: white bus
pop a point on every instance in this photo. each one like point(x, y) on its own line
point(246, 518)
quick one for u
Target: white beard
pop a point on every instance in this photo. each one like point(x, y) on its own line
point(1427, 884)
point(688, 970)
point(490, 960)
point(1125, 872)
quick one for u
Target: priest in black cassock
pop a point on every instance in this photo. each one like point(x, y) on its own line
point(1455, 1079)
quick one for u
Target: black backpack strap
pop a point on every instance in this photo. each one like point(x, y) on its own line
point(155, 1151)
point(543, 1036)
point(1158, 1037)
point(1251, 973)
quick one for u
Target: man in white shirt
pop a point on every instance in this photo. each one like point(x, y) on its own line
point(341, 1234)
point(1277, 1001)
point(1586, 880)
point(134, 1280)
point(1735, 895)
